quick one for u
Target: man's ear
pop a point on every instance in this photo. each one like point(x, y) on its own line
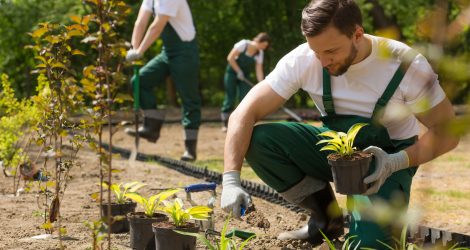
point(358, 33)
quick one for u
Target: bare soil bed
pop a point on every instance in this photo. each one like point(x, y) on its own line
point(440, 189)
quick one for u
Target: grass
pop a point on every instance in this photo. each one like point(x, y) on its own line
point(448, 193)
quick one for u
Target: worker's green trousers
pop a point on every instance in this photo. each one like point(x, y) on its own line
point(180, 60)
point(282, 154)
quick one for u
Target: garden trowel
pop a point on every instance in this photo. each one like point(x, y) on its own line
point(136, 94)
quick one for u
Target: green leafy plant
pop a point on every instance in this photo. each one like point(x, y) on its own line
point(224, 242)
point(152, 204)
point(99, 233)
point(347, 245)
point(122, 189)
point(340, 142)
point(58, 98)
point(180, 216)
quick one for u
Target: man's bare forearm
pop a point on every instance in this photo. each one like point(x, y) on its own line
point(238, 138)
point(438, 139)
point(434, 143)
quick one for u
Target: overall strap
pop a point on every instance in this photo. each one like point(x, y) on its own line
point(406, 60)
point(246, 47)
point(327, 97)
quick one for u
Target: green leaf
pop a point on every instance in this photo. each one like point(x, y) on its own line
point(59, 65)
point(77, 52)
point(330, 147)
point(352, 132)
point(137, 198)
point(137, 186)
point(329, 133)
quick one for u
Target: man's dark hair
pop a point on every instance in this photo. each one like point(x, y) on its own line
point(319, 14)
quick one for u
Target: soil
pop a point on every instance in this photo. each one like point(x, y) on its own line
point(353, 157)
point(440, 191)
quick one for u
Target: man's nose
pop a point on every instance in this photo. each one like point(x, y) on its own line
point(325, 61)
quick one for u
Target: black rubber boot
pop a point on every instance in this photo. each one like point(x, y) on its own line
point(150, 129)
point(325, 215)
point(190, 150)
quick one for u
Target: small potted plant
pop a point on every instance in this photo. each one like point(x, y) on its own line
point(121, 205)
point(166, 237)
point(349, 165)
point(141, 222)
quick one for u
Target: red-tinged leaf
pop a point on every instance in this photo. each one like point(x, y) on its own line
point(76, 19)
point(39, 32)
point(86, 19)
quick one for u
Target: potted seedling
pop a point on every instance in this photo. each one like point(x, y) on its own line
point(349, 165)
point(166, 237)
point(121, 205)
point(140, 223)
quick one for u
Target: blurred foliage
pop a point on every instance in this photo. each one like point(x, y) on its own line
point(17, 118)
point(222, 23)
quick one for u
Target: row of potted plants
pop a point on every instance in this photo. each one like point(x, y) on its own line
point(159, 219)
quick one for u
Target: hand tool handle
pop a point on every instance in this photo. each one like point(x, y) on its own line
point(288, 111)
point(242, 210)
point(239, 233)
point(200, 187)
point(136, 88)
point(292, 114)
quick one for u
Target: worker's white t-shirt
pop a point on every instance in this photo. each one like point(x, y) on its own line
point(180, 15)
point(241, 46)
point(357, 91)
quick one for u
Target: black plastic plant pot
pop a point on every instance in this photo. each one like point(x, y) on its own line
point(167, 238)
point(349, 173)
point(119, 226)
point(141, 234)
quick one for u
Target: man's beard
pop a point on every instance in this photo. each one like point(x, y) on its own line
point(346, 64)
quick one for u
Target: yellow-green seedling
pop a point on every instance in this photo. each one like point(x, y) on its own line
point(340, 142)
point(180, 216)
point(122, 189)
point(152, 204)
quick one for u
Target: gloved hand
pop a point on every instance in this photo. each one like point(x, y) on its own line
point(240, 75)
point(385, 165)
point(132, 55)
point(233, 195)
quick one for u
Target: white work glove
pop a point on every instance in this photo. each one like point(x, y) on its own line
point(233, 195)
point(240, 75)
point(385, 165)
point(132, 55)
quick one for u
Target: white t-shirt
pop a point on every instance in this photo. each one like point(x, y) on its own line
point(241, 46)
point(357, 91)
point(178, 11)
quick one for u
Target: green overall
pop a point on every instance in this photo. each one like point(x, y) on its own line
point(282, 154)
point(233, 86)
point(180, 60)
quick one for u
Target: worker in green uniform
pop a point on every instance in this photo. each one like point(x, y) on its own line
point(179, 59)
point(352, 77)
point(245, 56)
